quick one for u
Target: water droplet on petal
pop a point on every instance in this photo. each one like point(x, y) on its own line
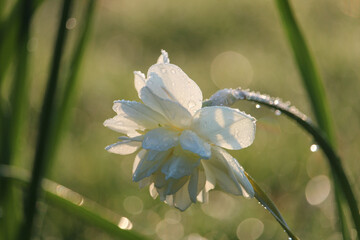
point(277, 112)
point(191, 104)
point(257, 106)
point(314, 147)
point(173, 71)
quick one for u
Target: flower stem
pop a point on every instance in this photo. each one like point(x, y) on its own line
point(230, 96)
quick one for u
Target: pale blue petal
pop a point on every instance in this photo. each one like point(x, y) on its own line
point(192, 142)
point(160, 139)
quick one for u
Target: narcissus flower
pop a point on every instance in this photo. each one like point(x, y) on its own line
point(181, 144)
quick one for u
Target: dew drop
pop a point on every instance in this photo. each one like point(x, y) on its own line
point(314, 147)
point(277, 112)
point(257, 106)
point(173, 71)
point(191, 104)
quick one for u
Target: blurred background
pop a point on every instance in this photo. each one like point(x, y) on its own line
point(219, 44)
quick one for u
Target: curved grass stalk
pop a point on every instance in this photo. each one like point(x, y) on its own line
point(230, 96)
point(76, 204)
point(315, 89)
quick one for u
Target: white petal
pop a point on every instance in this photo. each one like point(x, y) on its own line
point(234, 166)
point(203, 196)
point(168, 81)
point(138, 158)
point(138, 113)
point(192, 142)
point(182, 198)
point(223, 179)
point(173, 185)
point(176, 114)
point(226, 127)
point(180, 165)
point(124, 147)
point(139, 81)
point(164, 57)
point(210, 178)
point(193, 185)
point(147, 167)
point(123, 125)
point(160, 139)
point(153, 191)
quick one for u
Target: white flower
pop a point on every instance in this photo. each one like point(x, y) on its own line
point(182, 156)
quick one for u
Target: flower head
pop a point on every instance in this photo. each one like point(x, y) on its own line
point(181, 144)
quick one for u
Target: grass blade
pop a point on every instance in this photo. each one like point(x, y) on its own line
point(75, 204)
point(308, 71)
point(68, 98)
point(46, 119)
point(314, 88)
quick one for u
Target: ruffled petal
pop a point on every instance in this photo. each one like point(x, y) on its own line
point(147, 166)
point(123, 125)
point(182, 198)
point(124, 147)
point(173, 185)
point(160, 139)
point(192, 142)
point(196, 184)
point(139, 113)
point(179, 165)
point(139, 81)
point(229, 174)
point(168, 81)
point(226, 127)
point(176, 114)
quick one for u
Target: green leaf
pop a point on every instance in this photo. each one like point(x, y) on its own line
point(269, 205)
point(75, 204)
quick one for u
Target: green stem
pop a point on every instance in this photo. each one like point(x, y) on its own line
point(75, 204)
point(46, 119)
point(230, 96)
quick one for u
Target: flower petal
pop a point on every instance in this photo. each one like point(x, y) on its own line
point(180, 165)
point(138, 113)
point(226, 127)
point(196, 184)
point(164, 57)
point(176, 114)
point(139, 81)
point(182, 198)
point(124, 147)
point(168, 81)
point(173, 185)
point(123, 125)
point(234, 170)
point(192, 142)
point(153, 191)
point(160, 139)
point(145, 167)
